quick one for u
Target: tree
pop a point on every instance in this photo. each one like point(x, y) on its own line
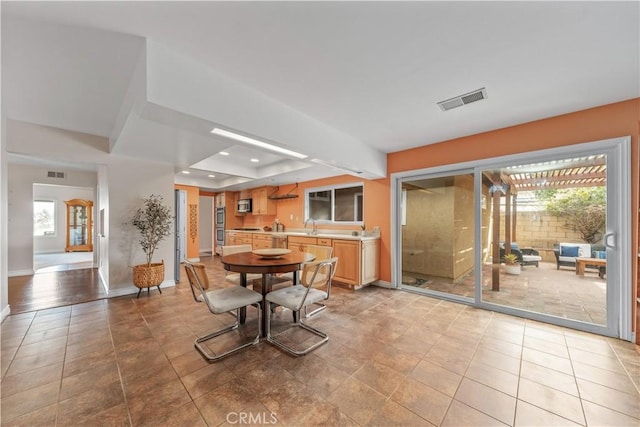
point(584, 210)
point(154, 221)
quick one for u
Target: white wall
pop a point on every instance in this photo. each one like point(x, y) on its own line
point(4, 287)
point(59, 193)
point(205, 224)
point(124, 182)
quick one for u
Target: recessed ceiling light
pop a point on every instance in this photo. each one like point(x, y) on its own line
point(224, 153)
point(255, 160)
point(211, 176)
point(255, 142)
point(186, 172)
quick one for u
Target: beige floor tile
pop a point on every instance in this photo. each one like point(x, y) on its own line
point(423, 400)
point(549, 377)
point(605, 377)
point(600, 416)
point(393, 414)
point(498, 360)
point(381, 378)
point(501, 346)
point(599, 361)
point(436, 377)
point(357, 400)
point(492, 402)
point(460, 414)
point(449, 359)
point(393, 359)
point(541, 358)
point(493, 377)
point(628, 404)
point(530, 415)
point(551, 400)
point(557, 349)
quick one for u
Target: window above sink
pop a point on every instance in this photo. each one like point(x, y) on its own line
point(338, 204)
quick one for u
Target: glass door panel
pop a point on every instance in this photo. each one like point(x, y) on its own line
point(437, 235)
point(549, 220)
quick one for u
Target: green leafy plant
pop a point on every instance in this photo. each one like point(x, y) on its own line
point(511, 259)
point(154, 222)
point(583, 209)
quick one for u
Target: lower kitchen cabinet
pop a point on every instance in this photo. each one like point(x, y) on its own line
point(357, 261)
point(261, 241)
point(236, 238)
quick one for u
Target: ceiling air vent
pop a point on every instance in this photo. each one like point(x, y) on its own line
point(465, 99)
point(54, 174)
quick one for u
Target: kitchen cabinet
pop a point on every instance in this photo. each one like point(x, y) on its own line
point(226, 199)
point(261, 241)
point(358, 261)
point(238, 238)
point(299, 243)
point(261, 204)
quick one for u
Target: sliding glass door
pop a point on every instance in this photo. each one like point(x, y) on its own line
point(437, 228)
point(538, 235)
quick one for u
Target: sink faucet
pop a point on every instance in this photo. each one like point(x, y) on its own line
point(313, 222)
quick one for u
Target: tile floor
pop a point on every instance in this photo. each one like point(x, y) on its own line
point(394, 358)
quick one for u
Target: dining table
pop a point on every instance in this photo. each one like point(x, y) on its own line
point(267, 266)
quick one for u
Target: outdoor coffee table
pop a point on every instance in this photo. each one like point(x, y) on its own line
point(581, 263)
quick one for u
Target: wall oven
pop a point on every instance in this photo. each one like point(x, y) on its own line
point(219, 227)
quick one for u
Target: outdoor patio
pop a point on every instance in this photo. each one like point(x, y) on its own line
point(544, 289)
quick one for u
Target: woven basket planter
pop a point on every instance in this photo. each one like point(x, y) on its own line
point(148, 275)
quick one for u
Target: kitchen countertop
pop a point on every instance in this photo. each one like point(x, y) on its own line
point(342, 235)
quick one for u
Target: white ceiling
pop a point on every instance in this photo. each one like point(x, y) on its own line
point(365, 76)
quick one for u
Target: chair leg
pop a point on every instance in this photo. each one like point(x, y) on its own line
point(139, 290)
point(314, 312)
point(273, 339)
point(214, 358)
point(159, 290)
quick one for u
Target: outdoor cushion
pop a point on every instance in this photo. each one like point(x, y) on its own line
point(569, 251)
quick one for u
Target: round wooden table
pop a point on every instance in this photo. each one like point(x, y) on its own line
point(248, 262)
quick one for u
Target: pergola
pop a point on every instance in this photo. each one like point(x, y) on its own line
point(570, 173)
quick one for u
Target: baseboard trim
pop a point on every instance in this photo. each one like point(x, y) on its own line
point(5, 313)
point(384, 284)
point(134, 290)
point(15, 273)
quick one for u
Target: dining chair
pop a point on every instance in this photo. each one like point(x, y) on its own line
point(319, 252)
point(314, 286)
point(221, 301)
point(235, 277)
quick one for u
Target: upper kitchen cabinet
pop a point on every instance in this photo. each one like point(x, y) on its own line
point(261, 204)
point(79, 225)
point(226, 199)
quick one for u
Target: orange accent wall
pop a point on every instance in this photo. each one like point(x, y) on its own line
point(193, 198)
point(594, 124)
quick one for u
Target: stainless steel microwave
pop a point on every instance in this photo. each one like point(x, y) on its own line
point(244, 205)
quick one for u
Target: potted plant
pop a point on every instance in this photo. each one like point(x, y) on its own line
point(512, 266)
point(154, 222)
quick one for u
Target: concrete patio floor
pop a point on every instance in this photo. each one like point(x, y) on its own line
point(542, 289)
